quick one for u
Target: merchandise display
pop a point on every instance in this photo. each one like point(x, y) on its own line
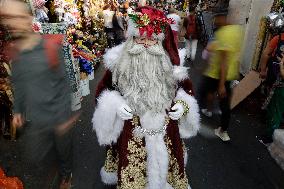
point(6, 97)
point(85, 42)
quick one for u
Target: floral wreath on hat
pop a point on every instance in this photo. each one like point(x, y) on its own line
point(150, 21)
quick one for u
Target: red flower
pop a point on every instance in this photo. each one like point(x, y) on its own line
point(36, 27)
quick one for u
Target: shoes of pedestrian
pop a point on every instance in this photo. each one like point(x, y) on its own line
point(223, 135)
point(265, 140)
point(206, 112)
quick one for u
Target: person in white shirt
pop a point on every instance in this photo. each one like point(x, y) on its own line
point(176, 25)
point(108, 16)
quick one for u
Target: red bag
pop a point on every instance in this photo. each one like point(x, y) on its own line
point(9, 182)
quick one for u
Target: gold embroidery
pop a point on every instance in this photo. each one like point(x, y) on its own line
point(111, 163)
point(175, 178)
point(134, 175)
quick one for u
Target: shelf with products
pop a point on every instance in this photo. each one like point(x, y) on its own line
point(85, 38)
point(6, 95)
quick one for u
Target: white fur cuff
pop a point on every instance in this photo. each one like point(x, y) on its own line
point(108, 178)
point(107, 124)
point(190, 123)
point(180, 73)
point(182, 55)
point(112, 56)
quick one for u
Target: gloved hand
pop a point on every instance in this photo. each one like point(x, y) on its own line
point(177, 112)
point(124, 112)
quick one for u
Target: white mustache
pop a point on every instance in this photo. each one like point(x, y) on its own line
point(140, 48)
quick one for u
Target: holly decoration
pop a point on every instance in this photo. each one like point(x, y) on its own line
point(150, 21)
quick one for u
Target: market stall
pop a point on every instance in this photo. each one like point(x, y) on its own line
point(6, 98)
point(85, 39)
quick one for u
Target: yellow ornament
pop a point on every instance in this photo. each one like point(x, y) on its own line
point(145, 19)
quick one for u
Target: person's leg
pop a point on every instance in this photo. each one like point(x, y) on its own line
point(206, 90)
point(221, 132)
point(225, 108)
point(109, 36)
point(37, 144)
point(275, 111)
point(210, 99)
point(64, 152)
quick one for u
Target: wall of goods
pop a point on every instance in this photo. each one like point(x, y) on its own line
point(6, 98)
point(85, 41)
point(268, 29)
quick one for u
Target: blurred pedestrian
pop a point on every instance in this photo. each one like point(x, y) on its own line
point(41, 91)
point(118, 28)
point(223, 68)
point(269, 63)
point(208, 107)
point(176, 25)
point(108, 14)
point(191, 33)
point(271, 69)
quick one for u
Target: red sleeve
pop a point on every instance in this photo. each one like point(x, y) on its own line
point(274, 41)
point(105, 83)
point(186, 85)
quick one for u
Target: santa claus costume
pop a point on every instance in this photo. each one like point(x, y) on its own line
point(145, 108)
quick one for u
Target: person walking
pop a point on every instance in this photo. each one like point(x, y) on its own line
point(41, 92)
point(108, 14)
point(272, 70)
point(118, 28)
point(223, 68)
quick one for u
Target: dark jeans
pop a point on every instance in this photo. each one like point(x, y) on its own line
point(210, 85)
point(43, 148)
point(110, 37)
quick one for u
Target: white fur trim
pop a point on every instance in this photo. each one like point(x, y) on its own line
point(189, 124)
point(180, 73)
point(157, 153)
point(159, 37)
point(182, 55)
point(108, 178)
point(112, 56)
point(157, 162)
point(132, 30)
point(107, 124)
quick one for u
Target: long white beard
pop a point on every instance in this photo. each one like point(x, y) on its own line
point(144, 76)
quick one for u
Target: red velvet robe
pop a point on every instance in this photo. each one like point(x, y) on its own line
point(127, 157)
